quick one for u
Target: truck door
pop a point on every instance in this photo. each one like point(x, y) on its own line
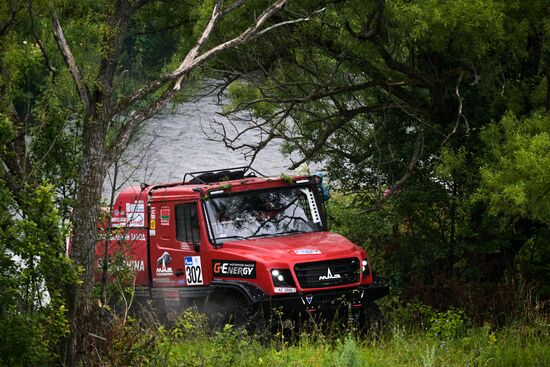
point(175, 256)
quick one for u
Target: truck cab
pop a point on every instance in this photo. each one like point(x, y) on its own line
point(231, 241)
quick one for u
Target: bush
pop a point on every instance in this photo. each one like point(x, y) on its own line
point(131, 342)
point(347, 354)
point(449, 324)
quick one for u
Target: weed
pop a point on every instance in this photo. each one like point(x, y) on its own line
point(225, 186)
point(287, 179)
point(448, 339)
point(448, 324)
point(347, 355)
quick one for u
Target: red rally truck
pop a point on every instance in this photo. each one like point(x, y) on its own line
point(235, 241)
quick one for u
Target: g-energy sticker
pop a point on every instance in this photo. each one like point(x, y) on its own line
point(234, 269)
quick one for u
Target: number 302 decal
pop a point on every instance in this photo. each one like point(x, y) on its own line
point(193, 270)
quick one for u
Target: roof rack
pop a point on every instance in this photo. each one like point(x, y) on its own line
point(225, 174)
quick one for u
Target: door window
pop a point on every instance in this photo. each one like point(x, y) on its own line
point(187, 223)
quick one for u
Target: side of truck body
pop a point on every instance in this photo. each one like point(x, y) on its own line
point(193, 244)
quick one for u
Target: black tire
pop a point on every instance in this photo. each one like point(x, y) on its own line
point(371, 320)
point(236, 311)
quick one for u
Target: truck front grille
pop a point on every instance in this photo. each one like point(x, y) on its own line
point(327, 273)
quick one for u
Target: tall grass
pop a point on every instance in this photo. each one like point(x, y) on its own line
point(519, 344)
point(434, 339)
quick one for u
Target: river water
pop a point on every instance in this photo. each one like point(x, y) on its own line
point(174, 142)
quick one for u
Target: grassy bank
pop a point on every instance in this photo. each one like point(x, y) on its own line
point(514, 345)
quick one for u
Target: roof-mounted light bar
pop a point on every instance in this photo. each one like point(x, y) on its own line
point(216, 192)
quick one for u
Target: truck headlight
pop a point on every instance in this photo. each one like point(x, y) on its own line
point(365, 269)
point(283, 281)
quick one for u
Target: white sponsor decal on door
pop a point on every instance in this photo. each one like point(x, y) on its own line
point(135, 214)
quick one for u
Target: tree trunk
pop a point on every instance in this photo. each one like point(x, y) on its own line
point(86, 212)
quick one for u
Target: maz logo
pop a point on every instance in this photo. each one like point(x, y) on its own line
point(329, 276)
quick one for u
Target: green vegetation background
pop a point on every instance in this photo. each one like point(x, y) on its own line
point(463, 239)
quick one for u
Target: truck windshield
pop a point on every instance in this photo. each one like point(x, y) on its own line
point(263, 213)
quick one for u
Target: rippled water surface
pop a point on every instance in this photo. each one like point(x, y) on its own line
point(174, 142)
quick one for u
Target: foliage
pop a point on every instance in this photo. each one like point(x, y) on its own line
point(36, 192)
point(447, 325)
point(77, 82)
point(225, 186)
point(412, 258)
point(130, 342)
point(347, 354)
point(405, 103)
point(515, 175)
point(430, 24)
point(119, 288)
point(287, 179)
point(35, 272)
point(515, 185)
point(522, 343)
point(190, 324)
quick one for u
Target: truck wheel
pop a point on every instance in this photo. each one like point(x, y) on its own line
point(238, 312)
point(371, 320)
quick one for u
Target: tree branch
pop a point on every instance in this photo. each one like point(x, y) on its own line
point(233, 6)
point(12, 19)
point(129, 128)
point(319, 93)
point(39, 41)
point(459, 113)
point(193, 53)
point(181, 71)
point(368, 32)
point(118, 24)
point(71, 63)
point(414, 159)
point(186, 67)
point(191, 61)
point(288, 22)
point(401, 67)
point(346, 116)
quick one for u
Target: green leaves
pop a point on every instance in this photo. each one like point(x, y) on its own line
point(242, 93)
point(35, 272)
point(6, 129)
point(468, 27)
point(516, 175)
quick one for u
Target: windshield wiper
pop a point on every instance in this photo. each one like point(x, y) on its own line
point(234, 236)
point(292, 231)
point(261, 235)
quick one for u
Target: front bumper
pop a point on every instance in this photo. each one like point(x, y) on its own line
point(330, 300)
